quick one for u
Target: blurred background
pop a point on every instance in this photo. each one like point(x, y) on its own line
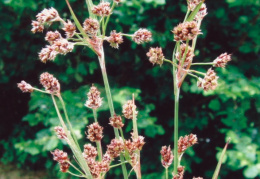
point(232, 110)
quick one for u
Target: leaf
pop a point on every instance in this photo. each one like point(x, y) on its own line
point(214, 105)
point(251, 171)
point(193, 14)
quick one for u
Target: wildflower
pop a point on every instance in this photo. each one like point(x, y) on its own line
point(25, 87)
point(48, 16)
point(63, 46)
point(48, 53)
point(186, 31)
point(156, 56)
point(60, 132)
point(192, 4)
point(50, 83)
point(210, 81)
point(62, 158)
point(138, 142)
point(167, 156)
point(116, 121)
point(222, 60)
point(93, 166)
point(180, 173)
point(115, 39)
point(37, 27)
point(95, 132)
point(89, 151)
point(115, 148)
point(186, 142)
point(141, 36)
point(130, 146)
point(128, 109)
point(52, 36)
point(201, 13)
point(102, 9)
point(91, 26)
point(69, 28)
point(103, 166)
point(94, 101)
point(106, 158)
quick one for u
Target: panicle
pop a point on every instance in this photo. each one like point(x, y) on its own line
point(94, 101)
point(48, 16)
point(186, 142)
point(115, 39)
point(180, 174)
point(201, 13)
point(210, 81)
point(37, 27)
point(192, 4)
point(102, 9)
point(141, 36)
point(156, 56)
point(222, 60)
point(25, 87)
point(128, 109)
point(91, 26)
point(47, 53)
point(116, 121)
point(95, 132)
point(115, 148)
point(69, 28)
point(50, 83)
point(186, 31)
point(60, 132)
point(62, 158)
point(167, 156)
point(52, 36)
point(89, 151)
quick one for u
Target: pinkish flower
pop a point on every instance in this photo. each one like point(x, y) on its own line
point(141, 36)
point(25, 87)
point(69, 28)
point(37, 27)
point(102, 9)
point(222, 60)
point(115, 39)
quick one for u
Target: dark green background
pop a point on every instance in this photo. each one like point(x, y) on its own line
point(232, 110)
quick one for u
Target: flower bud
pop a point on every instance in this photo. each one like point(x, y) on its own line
point(69, 28)
point(115, 148)
point(192, 4)
point(102, 9)
point(91, 26)
point(37, 27)
point(62, 158)
point(186, 142)
point(222, 60)
point(60, 132)
point(210, 81)
point(167, 156)
point(25, 87)
point(52, 36)
point(115, 39)
point(89, 151)
point(116, 121)
point(128, 109)
point(201, 13)
point(48, 16)
point(47, 53)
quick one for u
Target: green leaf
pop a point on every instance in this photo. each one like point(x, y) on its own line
point(251, 171)
point(214, 105)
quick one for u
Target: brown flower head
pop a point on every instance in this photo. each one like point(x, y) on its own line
point(52, 36)
point(69, 28)
point(180, 174)
point(25, 87)
point(103, 166)
point(141, 36)
point(222, 60)
point(115, 148)
point(94, 168)
point(210, 81)
point(201, 13)
point(186, 142)
point(63, 46)
point(50, 83)
point(48, 53)
point(64, 167)
point(130, 146)
point(115, 39)
point(102, 9)
point(89, 151)
point(37, 27)
point(167, 156)
point(60, 132)
point(192, 4)
point(60, 156)
point(95, 132)
point(156, 56)
point(48, 16)
point(91, 26)
point(138, 142)
point(94, 101)
point(128, 109)
point(186, 31)
point(116, 121)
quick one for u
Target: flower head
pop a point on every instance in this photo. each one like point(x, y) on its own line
point(69, 28)
point(222, 60)
point(180, 173)
point(115, 39)
point(25, 87)
point(102, 9)
point(115, 148)
point(60, 132)
point(156, 56)
point(52, 36)
point(201, 13)
point(62, 158)
point(94, 101)
point(48, 53)
point(89, 151)
point(186, 142)
point(50, 83)
point(210, 81)
point(192, 4)
point(189, 54)
point(95, 132)
point(141, 36)
point(37, 27)
point(167, 156)
point(63, 46)
point(48, 16)
point(116, 121)
point(128, 109)
point(138, 142)
point(186, 31)
point(91, 26)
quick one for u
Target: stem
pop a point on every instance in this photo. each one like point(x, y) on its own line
point(195, 76)
point(127, 35)
point(75, 174)
point(112, 166)
point(176, 116)
point(95, 115)
point(169, 61)
point(36, 89)
point(210, 63)
point(105, 25)
point(194, 41)
point(166, 172)
point(186, 16)
point(198, 72)
point(75, 167)
point(99, 148)
point(185, 53)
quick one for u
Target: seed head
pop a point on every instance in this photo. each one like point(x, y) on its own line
point(201, 13)
point(128, 109)
point(192, 4)
point(69, 28)
point(186, 31)
point(50, 83)
point(37, 27)
point(48, 16)
point(130, 146)
point(60, 156)
point(52, 36)
point(167, 156)
point(186, 142)
point(116, 121)
point(47, 53)
point(115, 148)
point(93, 166)
point(210, 81)
point(89, 151)
point(138, 142)
point(91, 26)
point(95, 132)
point(63, 46)
point(180, 174)
point(102, 9)
point(141, 36)
point(94, 101)
point(156, 56)
point(60, 132)
point(64, 167)
point(222, 60)
point(25, 87)
point(115, 39)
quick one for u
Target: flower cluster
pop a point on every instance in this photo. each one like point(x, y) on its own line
point(50, 83)
point(186, 31)
point(62, 158)
point(210, 81)
point(89, 151)
point(189, 55)
point(116, 121)
point(141, 36)
point(69, 28)
point(156, 56)
point(115, 39)
point(128, 109)
point(115, 148)
point(180, 173)
point(25, 87)
point(60, 132)
point(91, 26)
point(167, 156)
point(95, 132)
point(186, 142)
point(222, 60)
point(102, 9)
point(94, 101)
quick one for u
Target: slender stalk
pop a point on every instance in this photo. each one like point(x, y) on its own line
point(75, 167)
point(176, 120)
point(107, 20)
point(36, 89)
point(169, 61)
point(75, 174)
point(210, 63)
point(186, 16)
point(195, 76)
point(198, 72)
point(166, 173)
point(112, 166)
point(99, 149)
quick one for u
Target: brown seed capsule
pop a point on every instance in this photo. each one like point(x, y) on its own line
point(210, 81)
point(167, 156)
point(156, 56)
point(141, 36)
point(95, 132)
point(186, 142)
point(128, 109)
point(115, 39)
point(115, 148)
point(222, 60)
point(102, 9)
point(116, 121)
point(25, 87)
point(50, 83)
point(186, 31)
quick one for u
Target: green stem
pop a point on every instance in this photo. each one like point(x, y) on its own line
point(95, 115)
point(198, 72)
point(127, 35)
point(99, 148)
point(210, 63)
point(166, 172)
point(195, 76)
point(185, 53)
point(186, 16)
point(36, 89)
point(76, 175)
point(194, 41)
point(75, 167)
point(169, 61)
point(176, 120)
point(112, 166)
point(108, 17)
